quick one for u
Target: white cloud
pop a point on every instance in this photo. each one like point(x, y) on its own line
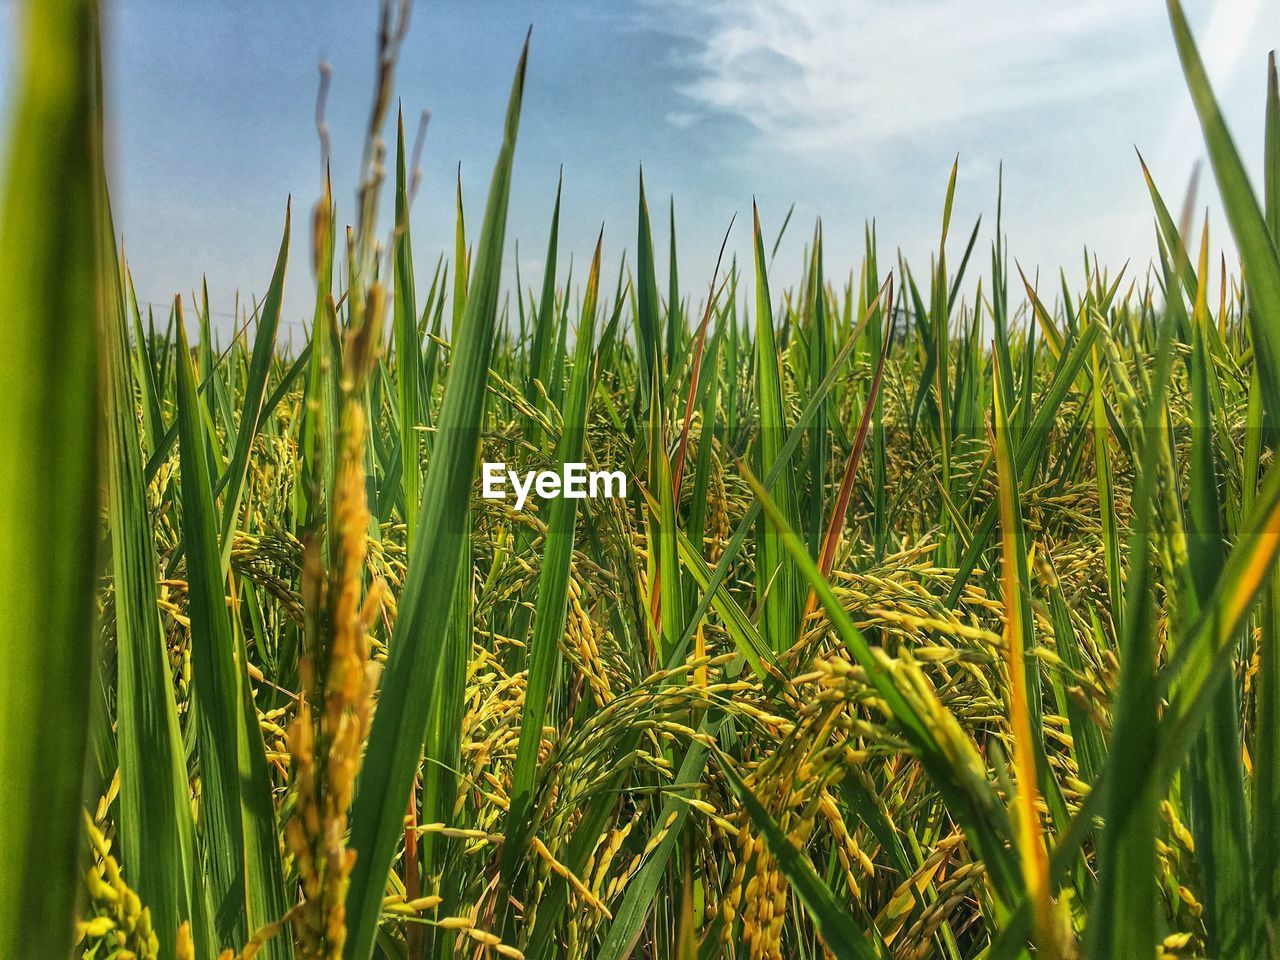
point(819, 75)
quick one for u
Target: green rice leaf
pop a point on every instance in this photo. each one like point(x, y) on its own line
point(1257, 249)
point(551, 607)
point(400, 723)
point(157, 830)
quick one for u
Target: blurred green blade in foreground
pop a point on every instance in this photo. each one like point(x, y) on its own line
point(51, 295)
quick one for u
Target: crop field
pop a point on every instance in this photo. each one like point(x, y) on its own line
point(936, 617)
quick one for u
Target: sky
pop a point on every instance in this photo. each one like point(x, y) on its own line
point(851, 110)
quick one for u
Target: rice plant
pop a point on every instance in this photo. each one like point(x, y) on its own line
point(937, 618)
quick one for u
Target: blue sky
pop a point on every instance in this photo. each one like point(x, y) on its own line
point(850, 109)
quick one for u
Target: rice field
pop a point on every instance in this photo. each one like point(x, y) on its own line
point(937, 618)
